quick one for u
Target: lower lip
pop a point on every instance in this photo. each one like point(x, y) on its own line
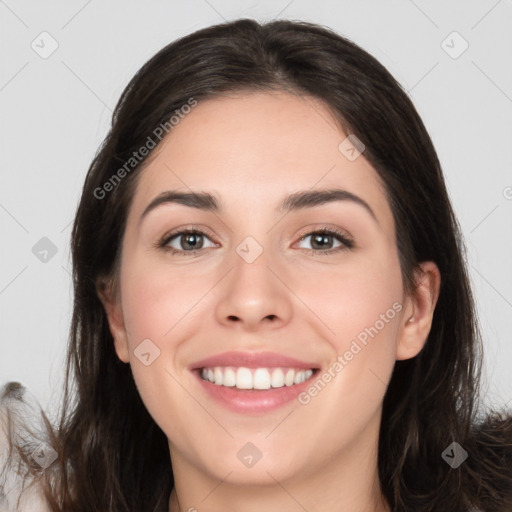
point(253, 401)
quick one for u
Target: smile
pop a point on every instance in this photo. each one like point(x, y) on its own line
point(253, 383)
point(255, 378)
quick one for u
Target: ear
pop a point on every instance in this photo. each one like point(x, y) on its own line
point(419, 311)
point(112, 305)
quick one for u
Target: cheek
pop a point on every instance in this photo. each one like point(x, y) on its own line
point(355, 298)
point(158, 305)
point(156, 300)
point(361, 307)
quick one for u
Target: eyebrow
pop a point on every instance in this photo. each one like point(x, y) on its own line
point(296, 201)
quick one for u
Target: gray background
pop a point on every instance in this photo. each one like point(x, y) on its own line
point(55, 111)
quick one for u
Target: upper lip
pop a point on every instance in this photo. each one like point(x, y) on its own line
point(253, 360)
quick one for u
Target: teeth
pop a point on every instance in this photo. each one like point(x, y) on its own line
point(261, 379)
point(218, 376)
point(258, 378)
point(243, 378)
point(277, 380)
point(229, 378)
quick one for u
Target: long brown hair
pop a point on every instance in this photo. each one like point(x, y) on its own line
point(112, 455)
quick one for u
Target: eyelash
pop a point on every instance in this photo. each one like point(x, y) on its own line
point(347, 243)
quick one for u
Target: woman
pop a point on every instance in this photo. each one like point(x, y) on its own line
point(268, 369)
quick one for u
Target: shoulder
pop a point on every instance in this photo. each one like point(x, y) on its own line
point(21, 425)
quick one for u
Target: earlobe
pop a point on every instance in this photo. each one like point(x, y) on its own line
point(417, 322)
point(112, 307)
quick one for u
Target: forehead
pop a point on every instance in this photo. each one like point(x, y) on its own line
point(257, 148)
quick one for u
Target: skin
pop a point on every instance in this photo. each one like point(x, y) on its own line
point(251, 150)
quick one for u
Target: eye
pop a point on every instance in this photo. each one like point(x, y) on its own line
point(324, 239)
point(189, 241)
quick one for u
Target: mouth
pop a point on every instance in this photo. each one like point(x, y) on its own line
point(243, 378)
point(253, 383)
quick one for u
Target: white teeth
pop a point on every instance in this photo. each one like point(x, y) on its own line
point(299, 377)
point(261, 379)
point(229, 378)
point(277, 380)
point(218, 376)
point(243, 378)
point(257, 378)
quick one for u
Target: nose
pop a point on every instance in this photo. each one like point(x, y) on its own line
point(254, 296)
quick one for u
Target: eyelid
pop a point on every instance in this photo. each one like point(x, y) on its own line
point(309, 230)
point(190, 228)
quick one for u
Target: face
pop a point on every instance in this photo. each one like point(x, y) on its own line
point(262, 290)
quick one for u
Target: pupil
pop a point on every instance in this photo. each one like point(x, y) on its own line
point(189, 237)
point(322, 239)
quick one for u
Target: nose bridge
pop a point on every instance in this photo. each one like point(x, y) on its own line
point(252, 292)
point(251, 274)
point(252, 235)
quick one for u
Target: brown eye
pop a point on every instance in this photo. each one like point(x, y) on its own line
point(323, 240)
point(187, 241)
